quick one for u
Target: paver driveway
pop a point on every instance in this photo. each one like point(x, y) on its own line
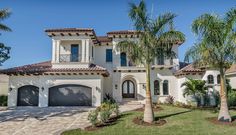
point(46, 121)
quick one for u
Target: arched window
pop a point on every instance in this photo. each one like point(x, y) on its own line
point(156, 87)
point(165, 88)
point(210, 79)
point(218, 79)
point(123, 60)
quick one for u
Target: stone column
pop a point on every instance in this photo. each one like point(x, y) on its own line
point(53, 51)
point(57, 42)
point(83, 51)
point(87, 51)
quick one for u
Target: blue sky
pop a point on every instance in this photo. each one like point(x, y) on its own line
point(30, 18)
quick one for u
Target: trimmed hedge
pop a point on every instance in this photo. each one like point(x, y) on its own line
point(3, 100)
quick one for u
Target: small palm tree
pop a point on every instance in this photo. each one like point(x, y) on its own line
point(216, 49)
point(4, 50)
point(194, 88)
point(156, 38)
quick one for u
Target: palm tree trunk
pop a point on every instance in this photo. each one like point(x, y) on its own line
point(224, 111)
point(148, 112)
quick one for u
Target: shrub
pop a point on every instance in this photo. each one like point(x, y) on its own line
point(105, 110)
point(115, 109)
point(169, 100)
point(232, 98)
point(105, 115)
point(93, 117)
point(3, 100)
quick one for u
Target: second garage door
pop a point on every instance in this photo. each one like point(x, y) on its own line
point(70, 95)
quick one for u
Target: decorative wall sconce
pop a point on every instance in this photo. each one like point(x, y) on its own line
point(144, 86)
point(10, 89)
point(42, 88)
point(116, 86)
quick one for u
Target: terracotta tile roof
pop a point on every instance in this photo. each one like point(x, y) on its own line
point(189, 69)
point(46, 67)
point(231, 70)
point(123, 32)
point(104, 39)
point(69, 30)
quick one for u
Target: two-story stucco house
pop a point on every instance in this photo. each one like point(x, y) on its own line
point(84, 67)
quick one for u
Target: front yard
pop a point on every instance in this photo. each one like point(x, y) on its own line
point(180, 121)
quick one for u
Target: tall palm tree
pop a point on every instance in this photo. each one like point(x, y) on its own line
point(195, 88)
point(216, 48)
point(4, 50)
point(156, 38)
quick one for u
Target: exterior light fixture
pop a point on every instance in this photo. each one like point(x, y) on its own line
point(10, 89)
point(116, 86)
point(42, 88)
point(144, 86)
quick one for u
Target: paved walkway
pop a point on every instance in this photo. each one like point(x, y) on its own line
point(46, 121)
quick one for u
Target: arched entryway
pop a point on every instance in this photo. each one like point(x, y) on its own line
point(70, 95)
point(128, 89)
point(28, 96)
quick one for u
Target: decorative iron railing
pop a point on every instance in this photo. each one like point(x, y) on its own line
point(69, 58)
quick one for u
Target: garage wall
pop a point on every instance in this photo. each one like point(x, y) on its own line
point(45, 82)
point(232, 78)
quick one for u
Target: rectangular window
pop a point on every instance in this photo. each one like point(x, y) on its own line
point(92, 51)
point(108, 55)
point(156, 87)
point(74, 53)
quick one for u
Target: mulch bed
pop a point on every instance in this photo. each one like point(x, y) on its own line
point(155, 109)
point(214, 120)
point(98, 126)
point(139, 121)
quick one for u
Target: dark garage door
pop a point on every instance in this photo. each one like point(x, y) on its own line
point(28, 96)
point(70, 95)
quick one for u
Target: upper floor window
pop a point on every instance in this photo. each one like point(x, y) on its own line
point(108, 55)
point(74, 53)
point(156, 87)
point(218, 79)
point(210, 79)
point(123, 59)
point(165, 87)
point(92, 51)
point(171, 61)
point(160, 60)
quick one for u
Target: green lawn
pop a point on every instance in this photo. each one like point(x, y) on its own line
point(179, 122)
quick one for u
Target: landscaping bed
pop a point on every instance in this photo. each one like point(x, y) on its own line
point(214, 120)
point(139, 121)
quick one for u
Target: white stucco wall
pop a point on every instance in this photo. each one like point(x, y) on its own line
point(95, 82)
point(232, 78)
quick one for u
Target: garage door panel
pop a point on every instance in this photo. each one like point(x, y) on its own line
point(28, 96)
point(70, 95)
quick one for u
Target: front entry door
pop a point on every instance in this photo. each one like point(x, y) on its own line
point(128, 89)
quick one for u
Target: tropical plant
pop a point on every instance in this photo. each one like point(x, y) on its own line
point(4, 50)
point(196, 88)
point(156, 37)
point(109, 99)
point(170, 100)
point(216, 48)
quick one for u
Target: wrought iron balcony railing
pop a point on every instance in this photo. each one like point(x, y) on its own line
point(69, 58)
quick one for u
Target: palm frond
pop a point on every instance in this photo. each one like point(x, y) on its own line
point(4, 13)
point(4, 27)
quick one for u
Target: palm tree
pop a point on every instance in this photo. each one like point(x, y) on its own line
point(215, 48)
point(156, 38)
point(195, 88)
point(4, 50)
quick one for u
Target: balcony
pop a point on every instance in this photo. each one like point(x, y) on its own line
point(64, 58)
